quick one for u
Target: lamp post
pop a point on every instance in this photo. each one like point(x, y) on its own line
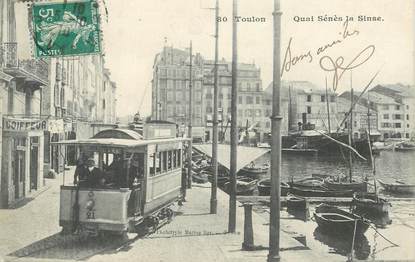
point(276, 119)
point(213, 200)
point(189, 150)
point(234, 128)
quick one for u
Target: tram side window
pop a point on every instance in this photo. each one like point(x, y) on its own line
point(169, 160)
point(174, 158)
point(152, 164)
point(164, 169)
point(179, 157)
point(158, 162)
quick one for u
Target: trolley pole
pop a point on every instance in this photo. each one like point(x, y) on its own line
point(234, 128)
point(189, 149)
point(276, 119)
point(213, 200)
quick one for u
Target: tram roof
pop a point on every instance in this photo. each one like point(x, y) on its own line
point(245, 154)
point(116, 142)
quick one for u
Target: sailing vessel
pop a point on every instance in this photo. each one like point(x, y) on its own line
point(370, 202)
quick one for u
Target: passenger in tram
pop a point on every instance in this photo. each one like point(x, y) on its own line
point(136, 170)
point(115, 170)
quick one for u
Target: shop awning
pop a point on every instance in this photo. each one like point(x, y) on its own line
point(245, 155)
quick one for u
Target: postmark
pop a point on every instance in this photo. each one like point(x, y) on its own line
point(66, 29)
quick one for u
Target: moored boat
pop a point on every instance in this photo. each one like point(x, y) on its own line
point(370, 203)
point(398, 187)
point(320, 192)
point(405, 146)
point(337, 221)
point(296, 202)
point(355, 186)
point(309, 182)
point(264, 187)
point(200, 177)
point(254, 171)
point(244, 186)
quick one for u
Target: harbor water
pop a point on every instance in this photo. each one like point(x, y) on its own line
point(378, 241)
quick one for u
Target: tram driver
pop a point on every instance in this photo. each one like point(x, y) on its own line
point(95, 177)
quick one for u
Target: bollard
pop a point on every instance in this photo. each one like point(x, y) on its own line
point(248, 243)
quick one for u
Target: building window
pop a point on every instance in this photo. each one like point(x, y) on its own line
point(103, 103)
point(407, 106)
point(385, 107)
point(267, 124)
point(229, 96)
point(169, 96)
point(308, 109)
point(397, 125)
point(398, 107)
point(308, 98)
point(397, 116)
point(332, 98)
point(248, 86)
point(407, 135)
point(240, 86)
point(208, 96)
point(323, 98)
point(209, 109)
point(240, 100)
point(220, 96)
point(249, 100)
point(258, 112)
point(386, 116)
point(386, 125)
point(240, 112)
point(248, 113)
point(258, 100)
point(258, 87)
point(407, 117)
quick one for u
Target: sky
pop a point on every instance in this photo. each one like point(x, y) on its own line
point(135, 31)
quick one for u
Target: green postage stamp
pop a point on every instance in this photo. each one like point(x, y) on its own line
point(66, 28)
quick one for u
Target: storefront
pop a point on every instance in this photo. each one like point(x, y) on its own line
point(22, 158)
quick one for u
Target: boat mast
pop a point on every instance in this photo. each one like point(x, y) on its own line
point(351, 128)
point(372, 159)
point(290, 120)
point(328, 107)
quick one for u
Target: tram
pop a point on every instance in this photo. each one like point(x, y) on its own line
point(140, 176)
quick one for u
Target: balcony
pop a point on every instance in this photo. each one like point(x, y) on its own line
point(33, 71)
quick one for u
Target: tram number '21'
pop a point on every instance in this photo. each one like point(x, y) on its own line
point(90, 214)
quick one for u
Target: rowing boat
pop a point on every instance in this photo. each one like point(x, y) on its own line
point(337, 221)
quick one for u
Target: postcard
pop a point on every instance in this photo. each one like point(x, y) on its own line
point(207, 130)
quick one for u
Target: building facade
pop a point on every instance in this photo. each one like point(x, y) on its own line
point(398, 116)
point(21, 84)
point(364, 118)
point(44, 101)
point(308, 107)
point(170, 96)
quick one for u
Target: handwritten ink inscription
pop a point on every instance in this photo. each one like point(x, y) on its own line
point(291, 59)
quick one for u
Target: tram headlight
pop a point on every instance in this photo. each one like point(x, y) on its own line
point(90, 204)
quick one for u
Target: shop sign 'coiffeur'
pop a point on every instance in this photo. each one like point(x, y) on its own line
point(24, 124)
point(18, 124)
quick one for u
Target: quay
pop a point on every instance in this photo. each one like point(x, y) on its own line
point(316, 200)
point(193, 235)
